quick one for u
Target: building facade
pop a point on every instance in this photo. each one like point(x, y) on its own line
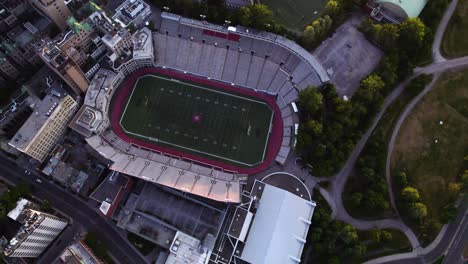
point(64, 67)
point(38, 231)
point(56, 10)
point(7, 69)
point(46, 126)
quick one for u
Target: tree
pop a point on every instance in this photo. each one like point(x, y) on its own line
point(376, 235)
point(332, 7)
point(450, 213)
point(410, 194)
point(401, 179)
point(258, 16)
point(389, 35)
point(386, 236)
point(418, 210)
point(356, 199)
point(311, 102)
point(454, 189)
point(412, 34)
point(349, 234)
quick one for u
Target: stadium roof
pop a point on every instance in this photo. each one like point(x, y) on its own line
point(279, 228)
point(412, 8)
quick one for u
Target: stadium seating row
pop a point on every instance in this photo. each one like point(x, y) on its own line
point(149, 165)
point(255, 60)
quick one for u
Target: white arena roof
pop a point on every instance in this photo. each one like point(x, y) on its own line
point(279, 228)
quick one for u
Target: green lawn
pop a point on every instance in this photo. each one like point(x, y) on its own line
point(455, 42)
point(430, 152)
point(198, 120)
point(295, 14)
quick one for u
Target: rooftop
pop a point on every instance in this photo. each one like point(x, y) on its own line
point(110, 188)
point(92, 113)
point(129, 10)
point(42, 112)
point(30, 220)
point(78, 253)
point(187, 249)
point(142, 43)
point(279, 227)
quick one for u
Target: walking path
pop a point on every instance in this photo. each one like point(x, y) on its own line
point(396, 129)
point(338, 181)
point(439, 36)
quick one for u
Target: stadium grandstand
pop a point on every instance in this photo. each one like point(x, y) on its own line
point(231, 58)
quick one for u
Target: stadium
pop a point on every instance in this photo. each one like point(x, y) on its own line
point(200, 120)
point(198, 107)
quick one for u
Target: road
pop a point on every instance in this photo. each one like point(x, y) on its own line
point(59, 245)
point(452, 243)
point(74, 207)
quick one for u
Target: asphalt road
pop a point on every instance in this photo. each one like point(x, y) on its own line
point(77, 209)
point(456, 235)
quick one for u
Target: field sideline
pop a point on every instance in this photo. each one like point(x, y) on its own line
point(122, 95)
point(198, 119)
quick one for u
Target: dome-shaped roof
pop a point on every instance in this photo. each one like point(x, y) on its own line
point(411, 8)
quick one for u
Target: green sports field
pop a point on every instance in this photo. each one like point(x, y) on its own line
point(198, 120)
point(295, 14)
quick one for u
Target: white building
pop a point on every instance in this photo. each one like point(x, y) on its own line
point(132, 12)
point(139, 55)
point(272, 228)
point(38, 231)
point(92, 117)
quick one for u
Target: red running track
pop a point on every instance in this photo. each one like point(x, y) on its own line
point(274, 141)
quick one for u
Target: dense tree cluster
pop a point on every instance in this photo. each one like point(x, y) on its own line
point(371, 194)
point(332, 241)
point(411, 204)
point(326, 135)
point(335, 13)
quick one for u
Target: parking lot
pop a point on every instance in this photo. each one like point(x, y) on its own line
point(348, 56)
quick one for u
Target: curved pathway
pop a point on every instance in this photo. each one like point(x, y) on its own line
point(396, 129)
point(439, 36)
point(338, 182)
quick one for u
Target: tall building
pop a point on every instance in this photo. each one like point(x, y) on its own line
point(38, 230)
point(64, 67)
point(7, 69)
point(46, 126)
point(56, 10)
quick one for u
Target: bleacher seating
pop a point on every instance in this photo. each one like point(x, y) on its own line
point(260, 60)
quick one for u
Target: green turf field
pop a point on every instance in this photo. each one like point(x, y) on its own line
point(198, 120)
point(295, 14)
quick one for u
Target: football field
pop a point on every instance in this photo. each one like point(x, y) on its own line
point(208, 122)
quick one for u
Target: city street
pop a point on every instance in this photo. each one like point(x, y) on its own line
point(74, 207)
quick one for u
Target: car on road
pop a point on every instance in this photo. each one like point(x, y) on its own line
point(27, 172)
point(38, 180)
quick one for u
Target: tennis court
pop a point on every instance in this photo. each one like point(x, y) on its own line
point(197, 119)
